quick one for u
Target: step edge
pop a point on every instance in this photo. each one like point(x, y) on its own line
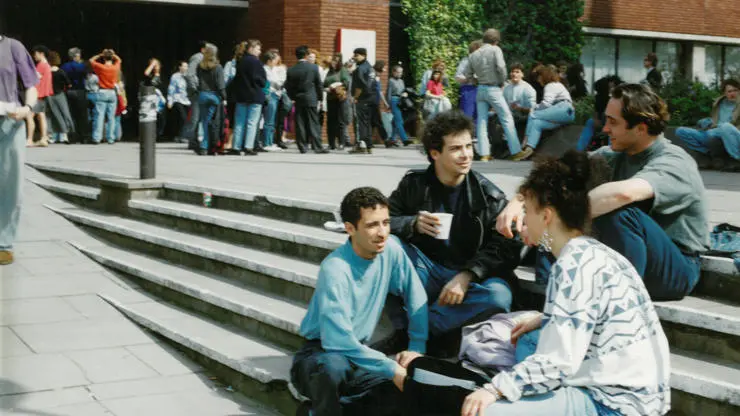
point(73, 171)
point(63, 187)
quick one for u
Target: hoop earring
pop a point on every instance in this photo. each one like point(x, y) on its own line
point(545, 241)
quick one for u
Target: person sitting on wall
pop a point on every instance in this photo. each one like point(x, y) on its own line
point(723, 124)
point(602, 88)
point(555, 110)
point(468, 274)
point(335, 368)
point(520, 96)
point(654, 210)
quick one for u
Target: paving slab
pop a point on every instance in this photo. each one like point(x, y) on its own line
point(111, 364)
point(163, 359)
point(151, 386)
point(36, 311)
point(25, 287)
point(45, 399)
point(39, 372)
point(186, 404)
point(11, 345)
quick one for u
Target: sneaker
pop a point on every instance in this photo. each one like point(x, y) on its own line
point(398, 341)
point(250, 152)
point(63, 138)
point(44, 142)
point(359, 150)
point(6, 257)
point(392, 143)
point(523, 155)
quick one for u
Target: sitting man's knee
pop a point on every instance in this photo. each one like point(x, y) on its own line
point(615, 219)
point(331, 370)
point(498, 294)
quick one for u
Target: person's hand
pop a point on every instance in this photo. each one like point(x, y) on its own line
point(399, 377)
point(453, 293)
point(404, 358)
point(404, 94)
point(515, 106)
point(528, 325)
point(477, 402)
point(427, 223)
point(514, 212)
point(525, 237)
point(20, 113)
point(169, 106)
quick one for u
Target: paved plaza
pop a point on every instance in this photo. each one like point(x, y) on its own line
point(65, 351)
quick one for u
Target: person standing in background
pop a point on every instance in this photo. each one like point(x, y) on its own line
point(276, 79)
point(177, 99)
point(339, 108)
point(17, 74)
point(468, 85)
point(653, 78)
point(397, 92)
point(212, 93)
point(40, 54)
point(249, 94)
point(57, 109)
point(107, 66)
point(76, 95)
point(364, 97)
point(304, 86)
point(193, 127)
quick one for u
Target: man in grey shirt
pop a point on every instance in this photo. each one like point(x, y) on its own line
point(654, 210)
point(488, 65)
point(193, 129)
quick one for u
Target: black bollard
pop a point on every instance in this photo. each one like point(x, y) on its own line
point(147, 132)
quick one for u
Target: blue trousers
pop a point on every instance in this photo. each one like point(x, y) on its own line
point(488, 97)
point(246, 125)
point(271, 109)
point(668, 273)
point(337, 387)
point(586, 135)
point(12, 153)
point(398, 128)
point(104, 115)
point(208, 102)
point(482, 299)
point(698, 139)
point(468, 105)
point(547, 119)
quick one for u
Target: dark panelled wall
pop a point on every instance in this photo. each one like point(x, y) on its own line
point(136, 31)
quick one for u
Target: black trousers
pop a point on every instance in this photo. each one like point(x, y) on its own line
point(378, 123)
point(77, 102)
point(364, 114)
point(178, 117)
point(338, 118)
point(307, 128)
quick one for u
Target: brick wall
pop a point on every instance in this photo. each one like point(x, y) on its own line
point(697, 17)
point(264, 21)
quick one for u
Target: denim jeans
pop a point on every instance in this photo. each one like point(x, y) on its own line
point(668, 273)
point(468, 103)
point(549, 118)
point(273, 100)
point(697, 139)
point(398, 128)
point(246, 124)
point(481, 300)
point(586, 135)
point(104, 113)
point(208, 102)
point(489, 97)
point(12, 153)
point(337, 387)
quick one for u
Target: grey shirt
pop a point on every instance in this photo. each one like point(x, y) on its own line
point(487, 63)
point(396, 87)
point(680, 203)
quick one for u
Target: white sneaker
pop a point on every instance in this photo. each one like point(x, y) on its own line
point(275, 148)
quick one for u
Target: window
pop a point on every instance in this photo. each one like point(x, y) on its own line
point(631, 55)
point(712, 64)
point(669, 58)
point(732, 62)
point(598, 58)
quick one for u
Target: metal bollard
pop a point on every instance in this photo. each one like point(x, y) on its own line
point(147, 132)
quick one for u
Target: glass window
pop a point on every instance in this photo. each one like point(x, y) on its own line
point(732, 62)
point(598, 58)
point(631, 55)
point(712, 64)
point(669, 56)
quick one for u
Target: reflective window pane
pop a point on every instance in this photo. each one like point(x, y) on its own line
point(669, 55)
point(732, 62)
point(712, 64)
point(631, 55)
point(598, 58)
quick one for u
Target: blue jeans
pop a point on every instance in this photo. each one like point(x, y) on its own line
point(118, 133)
point(481, 300)
point(273, 100)
point(549, 118)
point(12, 153)
point(489, 97)
point(697, 139)
point(336, 386)
point(468, 105)
point(208, 102)
point(246, 121)
point(668, 273)
point(398, 128)
point(586, 135)
point(104, 112)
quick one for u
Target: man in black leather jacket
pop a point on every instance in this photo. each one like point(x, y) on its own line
point(469, 276)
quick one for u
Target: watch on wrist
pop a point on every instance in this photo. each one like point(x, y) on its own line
point(491, 389)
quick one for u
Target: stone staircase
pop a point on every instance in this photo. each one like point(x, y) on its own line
point(230, 283)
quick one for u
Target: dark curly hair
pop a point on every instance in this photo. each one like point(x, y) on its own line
point(641, 105)
point(358, 198)
point(563, 184)
point(444, 124)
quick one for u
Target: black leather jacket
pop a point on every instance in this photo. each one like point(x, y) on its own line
point(475, 245)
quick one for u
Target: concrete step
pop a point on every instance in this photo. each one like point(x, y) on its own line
point(720, 279)
point(283, 276)
point(285, 209)
point(81, 195)
point(702, 385)
point(304, 242)
point(255, 312)
point(75, 176)
point(250, 365)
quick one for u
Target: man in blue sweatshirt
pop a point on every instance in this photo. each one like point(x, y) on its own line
point(335, 368)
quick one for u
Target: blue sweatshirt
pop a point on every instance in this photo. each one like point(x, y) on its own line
point(349, 299)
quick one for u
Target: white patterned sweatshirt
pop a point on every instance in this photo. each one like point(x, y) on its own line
point(600, 332)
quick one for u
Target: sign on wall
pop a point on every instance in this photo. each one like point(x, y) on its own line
point(350, 39)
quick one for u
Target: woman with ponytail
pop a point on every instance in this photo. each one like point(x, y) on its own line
point(600, 349)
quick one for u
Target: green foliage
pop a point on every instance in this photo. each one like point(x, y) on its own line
point(584, 109)
point(688, 101)
point(442, 29)
point(545, 31)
